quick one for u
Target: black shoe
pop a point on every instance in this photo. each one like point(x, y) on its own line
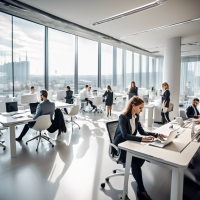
point(18, 139)
point(2, 141)
point(141, 196)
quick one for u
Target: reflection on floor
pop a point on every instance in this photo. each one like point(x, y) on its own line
point(77, 165)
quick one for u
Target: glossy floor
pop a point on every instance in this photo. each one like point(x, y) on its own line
point(76, 166)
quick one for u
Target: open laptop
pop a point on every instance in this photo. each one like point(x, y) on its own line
point(169, 139)
point(12, 109)
point(33, 108)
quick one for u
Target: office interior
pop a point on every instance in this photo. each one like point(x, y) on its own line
point(54, 44)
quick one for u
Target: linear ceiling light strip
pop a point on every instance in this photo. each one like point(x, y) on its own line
point(131, 12)
point(161, 27)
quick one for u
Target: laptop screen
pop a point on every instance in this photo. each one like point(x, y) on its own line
point(11, 107)
point(33, 107)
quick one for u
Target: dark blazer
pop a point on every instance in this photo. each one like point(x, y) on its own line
point(133, 91)
point(124, 130)
point(68, 97)
point(190, 112)
point(44, 108)
point(166, 97)
point(109, 99)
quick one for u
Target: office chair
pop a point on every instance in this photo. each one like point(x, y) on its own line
point(111, 128)
point(2, 145)
point(83, 105)
point(42, 123)
point(74, 111)
point(97, 102)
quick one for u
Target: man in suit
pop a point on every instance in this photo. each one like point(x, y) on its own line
point(44, 108)
point(68, 97)
point(192, 111)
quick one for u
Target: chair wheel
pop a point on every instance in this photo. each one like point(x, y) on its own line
point(52, 145)
point(114, 171)
point(4, 148)
point(107, 179)
point(26, 143)
point(103, 185)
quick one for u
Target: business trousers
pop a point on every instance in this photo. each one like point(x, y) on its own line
point(165, 117)
point(91, 103)
point(136, 169)
point(26, 128)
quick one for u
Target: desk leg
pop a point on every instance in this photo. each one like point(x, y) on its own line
point(12, 141)
point(126, 176)
point(177, 184)
point(150, 117)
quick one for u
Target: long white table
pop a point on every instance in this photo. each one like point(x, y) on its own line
point(11, 123)
point(177, 161)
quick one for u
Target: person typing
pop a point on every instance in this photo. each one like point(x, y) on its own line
point(44, 108)
point(192, 111)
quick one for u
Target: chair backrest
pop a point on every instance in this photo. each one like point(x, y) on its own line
point(97, 100)
point(182, 114)
point(111, 128)
point(42, 123)
point(74, 111)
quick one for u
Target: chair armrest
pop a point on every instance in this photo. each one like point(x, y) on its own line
point(116, 159)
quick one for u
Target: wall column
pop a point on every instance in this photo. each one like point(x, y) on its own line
point(171, 72)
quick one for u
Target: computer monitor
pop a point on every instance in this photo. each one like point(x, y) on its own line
point(61, 95)
point(29, 98)
point(33, 107)
point(11, 107)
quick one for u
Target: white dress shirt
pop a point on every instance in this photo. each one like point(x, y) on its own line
point(132, 122)
point(90, 93)
point(83, 94)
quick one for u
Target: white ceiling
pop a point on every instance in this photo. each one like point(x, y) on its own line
point(86, 12)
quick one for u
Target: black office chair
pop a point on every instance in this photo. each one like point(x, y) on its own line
point(111, 128)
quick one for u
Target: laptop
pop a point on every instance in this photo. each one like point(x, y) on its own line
point(33, 107)
point(12, 109)
point(170, 138)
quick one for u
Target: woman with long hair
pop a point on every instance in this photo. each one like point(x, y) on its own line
point(127, 129)
point(109, 99)
point(165, 103)
point(133, 91)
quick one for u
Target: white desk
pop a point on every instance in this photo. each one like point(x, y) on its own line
point(11, 123)
point(150, 108)
point(160, 156)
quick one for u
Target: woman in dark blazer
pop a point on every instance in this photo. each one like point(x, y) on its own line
point(109, 99)
point(127, 129)
point(165, 103)
point(133, 91)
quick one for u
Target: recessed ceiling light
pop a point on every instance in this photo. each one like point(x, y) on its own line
point(131, 12)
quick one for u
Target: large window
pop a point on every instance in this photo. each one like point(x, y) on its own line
point(61, 60)
point(190, 76)
point(151, 73)
point(119, 70)
point(137, 69)
point(106, 65)
point(87, 63)
point(159, 73)
point(144, 72)
point(128, 68)
point(6, 83)
point(28, 48)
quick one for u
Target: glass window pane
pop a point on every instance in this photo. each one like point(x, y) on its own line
point(28, 41)
point(87, 63)
point(6, 84)
point(61, 60)
point(159, 73)
point(128, 68)
point(106, 65)
point(119, 70)
point(144, 72)
point(151, 73)
point(136, 69)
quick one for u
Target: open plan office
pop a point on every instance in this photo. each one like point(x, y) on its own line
point(99, 100)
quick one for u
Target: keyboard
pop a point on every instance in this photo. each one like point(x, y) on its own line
point(18, 116)
point(30, 116)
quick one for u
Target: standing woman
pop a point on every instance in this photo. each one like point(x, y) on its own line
point(165, 103)
point(127, 129)
point(133, 91)
point(109, 99)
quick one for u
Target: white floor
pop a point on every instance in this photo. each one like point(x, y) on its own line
point(74, 168)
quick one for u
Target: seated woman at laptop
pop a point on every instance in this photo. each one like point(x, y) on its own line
point(127, 129)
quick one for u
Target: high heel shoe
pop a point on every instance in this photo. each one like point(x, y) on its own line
point(107, 114)
point(110, 113)
point(142, 196)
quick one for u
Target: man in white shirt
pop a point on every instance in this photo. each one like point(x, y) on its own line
point(84, 96)
point(32, 90)
point(90, 91)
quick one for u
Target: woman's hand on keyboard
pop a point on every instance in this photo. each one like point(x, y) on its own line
point(147, 139)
